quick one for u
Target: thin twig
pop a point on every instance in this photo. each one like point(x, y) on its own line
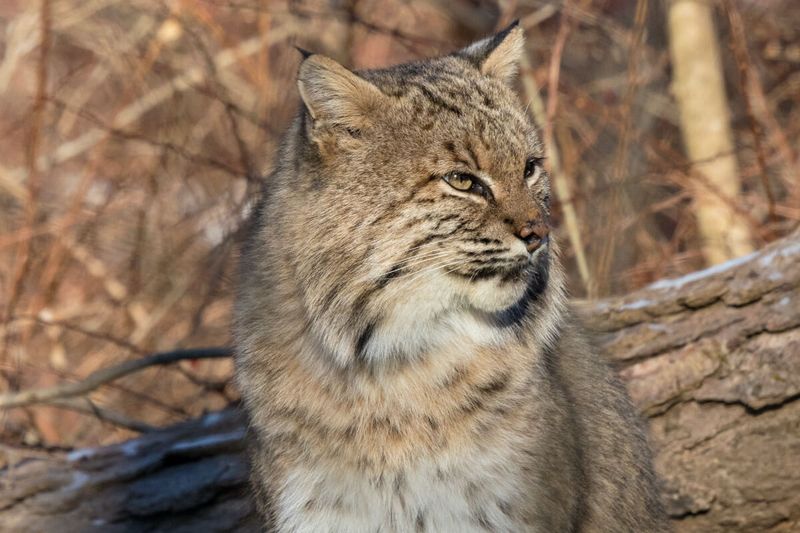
point(164, 406)
point(739, 44)
point(23, 256)
point(131, 113)
point(546, 117)
point(99, 335)
point(105, 375)
point(88, 407)
point(617, 196)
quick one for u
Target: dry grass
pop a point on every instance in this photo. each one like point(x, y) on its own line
point(135, 131)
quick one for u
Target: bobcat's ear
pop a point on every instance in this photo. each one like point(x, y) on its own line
point(498, 56)
point(333, 94)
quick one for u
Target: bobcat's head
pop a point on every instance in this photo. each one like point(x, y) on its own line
point(418, 195)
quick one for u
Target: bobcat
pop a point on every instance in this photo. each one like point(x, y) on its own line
point(405, 352)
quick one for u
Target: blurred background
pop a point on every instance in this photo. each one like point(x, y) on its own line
point(136, 132)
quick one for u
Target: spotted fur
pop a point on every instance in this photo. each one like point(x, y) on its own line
point(406, 362)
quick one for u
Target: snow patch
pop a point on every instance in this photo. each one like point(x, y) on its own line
point(788, 251)
point(130, 448)
point(81, 455)
point(211, 440)
point(638, 304)
point(765, 261)
point(702, 274)
point(79, 479)
point(212, 419)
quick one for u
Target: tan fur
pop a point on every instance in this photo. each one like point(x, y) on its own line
point(406, 363)
point(334, 94)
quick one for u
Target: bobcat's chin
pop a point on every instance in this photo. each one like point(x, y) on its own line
point(514, 288)
point(493, 296)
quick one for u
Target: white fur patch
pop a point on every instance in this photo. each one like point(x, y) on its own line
point(430, 316)
point(449, 495)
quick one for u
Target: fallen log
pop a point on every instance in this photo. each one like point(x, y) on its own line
point(712, 359)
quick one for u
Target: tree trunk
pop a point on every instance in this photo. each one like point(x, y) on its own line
point(713, 359)
point(699, 87)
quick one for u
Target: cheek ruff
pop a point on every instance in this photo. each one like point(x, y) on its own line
point(538, 276)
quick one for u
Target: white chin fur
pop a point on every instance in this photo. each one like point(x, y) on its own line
point(433, 314)
point(492, 296)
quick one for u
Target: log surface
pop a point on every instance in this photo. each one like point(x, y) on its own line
point(712, 359)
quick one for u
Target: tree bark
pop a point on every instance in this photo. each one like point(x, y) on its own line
point(712, 359)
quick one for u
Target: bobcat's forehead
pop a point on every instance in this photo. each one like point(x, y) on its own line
point(447, 112)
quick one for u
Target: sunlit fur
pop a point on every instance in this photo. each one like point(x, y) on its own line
point(405, 363)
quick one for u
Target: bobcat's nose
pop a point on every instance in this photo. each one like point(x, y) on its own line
point(534, 233)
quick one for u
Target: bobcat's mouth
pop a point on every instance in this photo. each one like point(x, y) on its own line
point(505, 271)
point(502, 270)
point(502, 292)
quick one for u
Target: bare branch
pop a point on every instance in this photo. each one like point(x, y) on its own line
point(739, 45)
point(88, 407)
point(105, 375)
point(131, 113)
point(546, 116)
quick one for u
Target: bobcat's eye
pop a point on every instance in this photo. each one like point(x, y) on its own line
point(461, 181)
point(533, 168)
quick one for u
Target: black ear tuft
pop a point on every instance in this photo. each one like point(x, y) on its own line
point(497, 56)
point(305, 53)
point(497, 38)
